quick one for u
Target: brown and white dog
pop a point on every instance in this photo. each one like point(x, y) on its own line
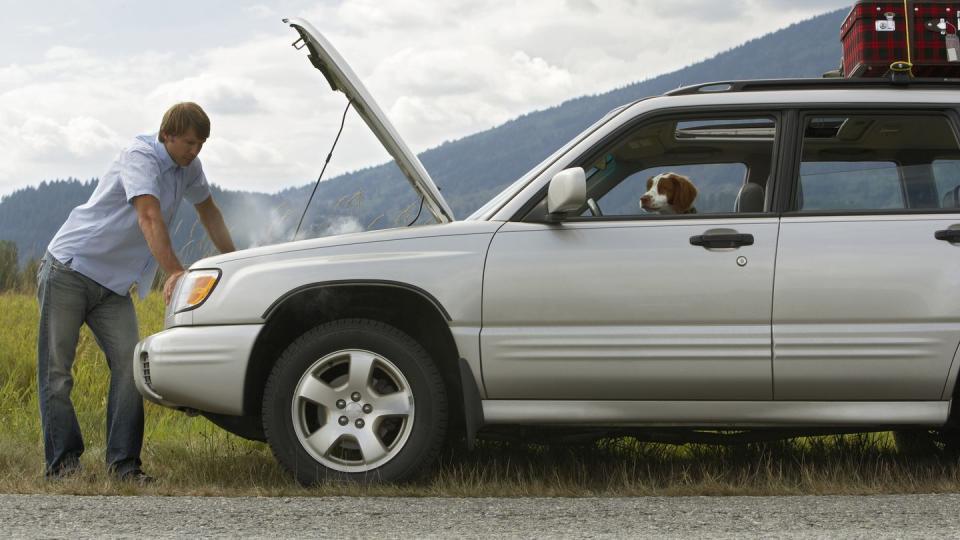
point(669, 193)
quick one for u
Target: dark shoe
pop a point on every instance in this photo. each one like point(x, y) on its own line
point(63, 473)
point(136, 476)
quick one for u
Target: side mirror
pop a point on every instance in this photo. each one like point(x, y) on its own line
point(567, 192)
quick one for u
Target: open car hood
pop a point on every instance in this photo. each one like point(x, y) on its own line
point(338, 73)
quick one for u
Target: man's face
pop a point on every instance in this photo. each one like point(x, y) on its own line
point(184, 148)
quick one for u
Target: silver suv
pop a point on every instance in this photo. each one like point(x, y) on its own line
point(811, 286)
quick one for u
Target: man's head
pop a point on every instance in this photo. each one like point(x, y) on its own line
point(183, 130)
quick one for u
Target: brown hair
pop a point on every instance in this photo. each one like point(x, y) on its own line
point(683, 191)
point(183, 117)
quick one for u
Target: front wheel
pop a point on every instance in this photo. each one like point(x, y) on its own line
point(355, 400)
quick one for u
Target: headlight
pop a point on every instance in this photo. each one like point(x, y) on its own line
point(195, 286)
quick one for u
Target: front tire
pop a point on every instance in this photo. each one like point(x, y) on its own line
point(355, 400)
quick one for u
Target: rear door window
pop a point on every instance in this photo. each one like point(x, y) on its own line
point(846, 185)
point(878, 163)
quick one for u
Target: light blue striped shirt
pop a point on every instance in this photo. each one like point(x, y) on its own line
point(102, 239)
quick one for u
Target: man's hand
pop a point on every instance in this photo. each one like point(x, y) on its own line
point(170, 285)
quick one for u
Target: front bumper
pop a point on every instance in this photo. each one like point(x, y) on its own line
point(196, 367)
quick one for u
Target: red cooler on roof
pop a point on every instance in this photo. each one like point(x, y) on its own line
point(917, 38)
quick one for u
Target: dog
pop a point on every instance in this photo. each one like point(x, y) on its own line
point(669, 193)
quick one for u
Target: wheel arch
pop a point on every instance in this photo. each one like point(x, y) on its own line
point(406, 307)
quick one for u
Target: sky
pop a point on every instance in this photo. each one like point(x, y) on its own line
point(80, 79)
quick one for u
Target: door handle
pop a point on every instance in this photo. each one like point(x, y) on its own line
point(948, 235)
point(722, 240)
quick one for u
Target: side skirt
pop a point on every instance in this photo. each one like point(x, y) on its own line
point(719, 414)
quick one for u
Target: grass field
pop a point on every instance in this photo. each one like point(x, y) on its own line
point(191, 456)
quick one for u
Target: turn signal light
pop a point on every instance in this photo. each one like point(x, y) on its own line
point(195, 287)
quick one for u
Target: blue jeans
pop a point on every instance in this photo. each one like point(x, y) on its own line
point(69, 299)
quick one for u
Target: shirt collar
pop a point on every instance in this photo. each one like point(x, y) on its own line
point(166, 162)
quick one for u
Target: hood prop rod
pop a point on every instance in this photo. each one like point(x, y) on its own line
point(325, 163)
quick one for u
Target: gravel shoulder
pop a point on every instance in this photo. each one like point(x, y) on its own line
point(908, 516)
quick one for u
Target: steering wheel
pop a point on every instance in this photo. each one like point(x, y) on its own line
point(594, 207)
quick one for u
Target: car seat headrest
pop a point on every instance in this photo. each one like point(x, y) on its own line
point(750, 199)
point(951, 199)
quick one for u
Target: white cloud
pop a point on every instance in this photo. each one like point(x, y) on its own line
point(532, 77)
point(367, 17)
point(260, 11)
point(37, 29)
point(217, 94)
point(433, 72)
point(85, 136)
point(585, 6)
point(12, 76)
point(70, 54)
point(81, 137)
point(223, 157)
point(40, 136)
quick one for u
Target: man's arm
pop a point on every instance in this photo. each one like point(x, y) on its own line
point(212, 221)
point(158, 240)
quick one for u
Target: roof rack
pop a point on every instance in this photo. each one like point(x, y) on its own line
point(721, 87)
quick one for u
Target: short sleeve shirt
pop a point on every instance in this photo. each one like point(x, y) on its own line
point(102, 239)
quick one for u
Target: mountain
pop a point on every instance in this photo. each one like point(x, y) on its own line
point(469, 171)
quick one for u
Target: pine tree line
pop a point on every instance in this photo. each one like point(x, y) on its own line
point(13, 278)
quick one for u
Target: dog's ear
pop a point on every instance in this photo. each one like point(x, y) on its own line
point(684, 193)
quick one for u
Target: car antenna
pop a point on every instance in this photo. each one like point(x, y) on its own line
point(343, 120)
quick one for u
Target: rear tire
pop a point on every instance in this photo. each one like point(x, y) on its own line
point(355, 401)
point(928, 442)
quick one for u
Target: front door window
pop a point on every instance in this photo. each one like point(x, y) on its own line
point(720, 157)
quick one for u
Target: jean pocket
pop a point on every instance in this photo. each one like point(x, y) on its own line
point(57, 265)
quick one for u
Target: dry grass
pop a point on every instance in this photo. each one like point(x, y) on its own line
point(193, 457)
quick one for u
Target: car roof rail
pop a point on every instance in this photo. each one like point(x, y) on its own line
point(720, 87)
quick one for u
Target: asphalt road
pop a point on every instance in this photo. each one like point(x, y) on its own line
point(913, 516)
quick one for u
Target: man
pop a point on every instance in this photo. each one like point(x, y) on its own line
point(113, 241)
